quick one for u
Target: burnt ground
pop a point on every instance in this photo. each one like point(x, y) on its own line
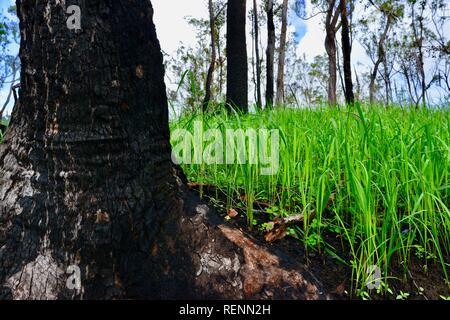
point(420, 282)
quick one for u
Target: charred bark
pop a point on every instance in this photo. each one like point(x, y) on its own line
point(270, 53)
point(86, 177)
point(237, 64)
point(257, 54)
point(282, 56)
point(347, 55)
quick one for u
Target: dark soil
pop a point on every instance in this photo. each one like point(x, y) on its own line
point(421, 283)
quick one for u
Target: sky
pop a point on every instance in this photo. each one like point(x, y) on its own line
point(172, 29)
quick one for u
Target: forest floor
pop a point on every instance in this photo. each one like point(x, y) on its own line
point(361, 195)
point(419, 283)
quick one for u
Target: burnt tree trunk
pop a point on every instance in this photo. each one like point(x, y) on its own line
point(258, 58)
point(237, 64)
point(282, 55)
point(270, 53)
point(212, 63)
point(347, 55)
point(86, 177)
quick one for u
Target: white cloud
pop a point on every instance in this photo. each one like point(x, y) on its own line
point(171, 26)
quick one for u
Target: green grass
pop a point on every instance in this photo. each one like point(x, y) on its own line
point(387, 168)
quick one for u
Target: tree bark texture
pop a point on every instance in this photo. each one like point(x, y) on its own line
point(237, 64)
point(347, 55)
point(257, 54)
point(270, 53)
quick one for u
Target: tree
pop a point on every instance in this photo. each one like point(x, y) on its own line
point(411, 48)
point(270, 53)
point(440, 46)
point(310, 79)
point(282, 55)
point(257, 55)
point(188, 70)
point(331, 27)
point(418, 28)
point(237, 68)
point(86, 178)
point(212, 65)
point(347, 53)
point(377, 39)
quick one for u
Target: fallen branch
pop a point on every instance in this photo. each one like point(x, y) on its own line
point(280, 225)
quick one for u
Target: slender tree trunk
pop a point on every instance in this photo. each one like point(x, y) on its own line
point(358, 86)
point(410, 84)
point(86, 178)
point(254, 61)
point(330, 47)
point(347, 55)
point(421, 63)
point(380, 59)
point(212, 65)
point(237, 64)
point(339, 69)
point(270, 55)
point(221, 68)
point(282, 56)
point(258, 58)
point(387, 81)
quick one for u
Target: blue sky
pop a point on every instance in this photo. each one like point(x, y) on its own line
point(301, 28)
point(6, 3)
